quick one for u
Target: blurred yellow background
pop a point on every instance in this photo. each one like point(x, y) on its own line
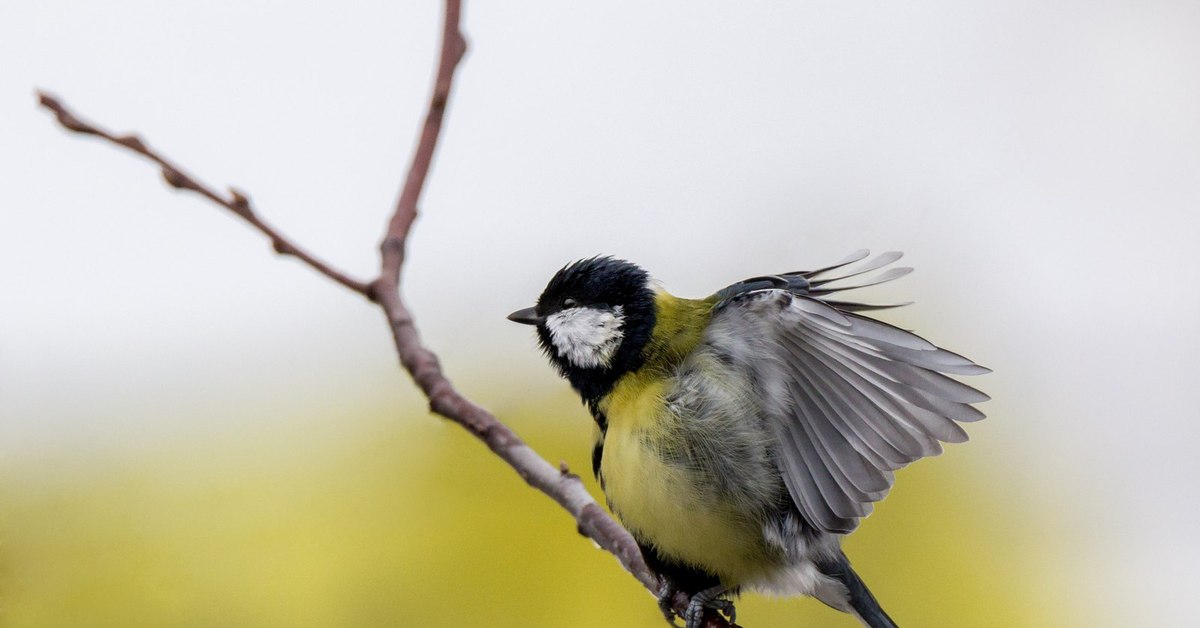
point(193, 433)
point(397, 518)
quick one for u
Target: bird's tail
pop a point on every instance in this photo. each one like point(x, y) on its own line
point(859, 596)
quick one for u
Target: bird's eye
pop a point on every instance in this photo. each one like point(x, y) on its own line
point(569, 303)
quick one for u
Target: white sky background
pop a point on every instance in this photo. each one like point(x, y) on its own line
point(1038, 161)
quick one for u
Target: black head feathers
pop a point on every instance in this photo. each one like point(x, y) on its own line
point(601, 281)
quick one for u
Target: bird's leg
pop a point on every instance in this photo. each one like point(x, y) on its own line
point(666, 600)
point(706, 599)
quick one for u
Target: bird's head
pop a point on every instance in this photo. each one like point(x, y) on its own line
point(593, 318)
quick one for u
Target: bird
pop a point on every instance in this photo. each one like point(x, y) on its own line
point(740, 437)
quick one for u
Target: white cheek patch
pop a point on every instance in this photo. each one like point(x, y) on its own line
point(587, 337)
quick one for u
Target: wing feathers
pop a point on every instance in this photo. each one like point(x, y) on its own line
point(865, 329)
point(881, 260)
point(877, 409)
point(799, 477)
point(872, 429)
point(849, 398)
point(917, 376)
point(890, 274)
point(855, 306)
point(857, 477)
point(856, 256)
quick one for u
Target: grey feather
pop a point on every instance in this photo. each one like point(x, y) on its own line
point(926, 379)
point(860, 431)
point(860, 401)
point(881, 260)
point(856, 256)
point(852, 472)
point(854, 306)
point(910, 426)
point(890, 274)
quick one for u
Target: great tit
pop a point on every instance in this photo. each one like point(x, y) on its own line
point(739, 437)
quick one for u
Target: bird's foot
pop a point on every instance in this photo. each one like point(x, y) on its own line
point(666, 600)
point(705, 600)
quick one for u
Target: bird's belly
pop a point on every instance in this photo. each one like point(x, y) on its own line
point(666, 503)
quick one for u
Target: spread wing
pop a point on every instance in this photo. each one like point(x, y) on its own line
point(849, 399)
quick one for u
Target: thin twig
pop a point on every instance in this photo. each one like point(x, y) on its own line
point(454, 46)
point(559, 483)
point(178, 178)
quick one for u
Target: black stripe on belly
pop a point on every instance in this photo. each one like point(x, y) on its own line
point(598, 416)
point(597, 456)
point(598, 447)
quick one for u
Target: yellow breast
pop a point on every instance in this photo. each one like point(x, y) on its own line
point(662, 501)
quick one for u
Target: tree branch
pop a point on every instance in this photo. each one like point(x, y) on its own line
point(558, 483)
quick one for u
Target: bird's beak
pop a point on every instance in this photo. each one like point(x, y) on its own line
point(527, 316)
